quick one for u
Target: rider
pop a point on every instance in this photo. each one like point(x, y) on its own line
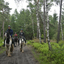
point(10, 32)
point(22, 34)
point(15, 37)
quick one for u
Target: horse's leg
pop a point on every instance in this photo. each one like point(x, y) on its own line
point(12, 47)
point(22, 47)
point(9, 50)
point(17, 42)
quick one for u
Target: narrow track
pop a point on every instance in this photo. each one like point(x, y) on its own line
point(18, 57)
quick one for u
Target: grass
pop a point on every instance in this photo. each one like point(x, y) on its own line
point(1, 44)
point(2, 49)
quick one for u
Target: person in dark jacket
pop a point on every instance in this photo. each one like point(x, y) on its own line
point(21, 34)
point(10, 31)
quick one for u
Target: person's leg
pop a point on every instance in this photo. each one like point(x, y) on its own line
point(13, 42)
point(25, 39)
point(18, 42)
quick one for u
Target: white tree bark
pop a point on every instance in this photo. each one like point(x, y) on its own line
point(38, 22)
point(48, 27)
point(44, 24)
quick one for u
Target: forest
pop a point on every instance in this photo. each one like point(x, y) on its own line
point(44, 32)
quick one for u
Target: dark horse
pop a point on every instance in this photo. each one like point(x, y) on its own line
point(8, 44)
point(16, 42)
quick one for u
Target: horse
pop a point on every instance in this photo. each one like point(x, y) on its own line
point(16, 41)
point(21, 42)
point(8, 44)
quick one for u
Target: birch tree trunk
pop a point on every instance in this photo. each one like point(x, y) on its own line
point(37, 16)
point(44, 24)
point(48, 27)
point(58, 35)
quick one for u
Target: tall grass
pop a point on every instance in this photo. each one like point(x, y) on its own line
point(1, 41)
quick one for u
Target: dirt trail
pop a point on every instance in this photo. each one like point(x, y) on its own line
point(18, 57)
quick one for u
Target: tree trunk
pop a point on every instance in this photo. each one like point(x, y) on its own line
point(58, 35)
point(33, 28)
point(32, 25)
point(48, 27)
point(0, 33)
point(32, 22)
point(44, 24)
point(61, 31)
point(37, 16)
point(3, 29)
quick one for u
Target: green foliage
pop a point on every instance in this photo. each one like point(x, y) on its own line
point(30, 42)
point(56, 56)
point(1, 41)
point(4, 15)
point(53, 26)
point(42, 36)
point(55, 46)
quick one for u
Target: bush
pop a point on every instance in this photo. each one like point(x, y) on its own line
point(1, 42)
point(56, 56)
point(42, 36)
point(55, 45)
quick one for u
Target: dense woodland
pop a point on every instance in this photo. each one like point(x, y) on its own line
point(35, 22)
point(44, 32)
